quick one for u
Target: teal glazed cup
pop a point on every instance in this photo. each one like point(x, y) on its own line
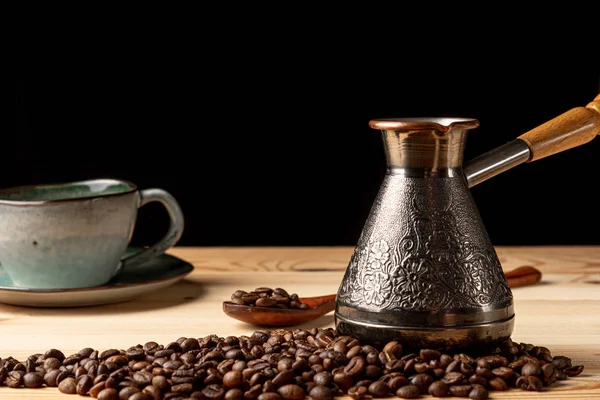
point(75, 235)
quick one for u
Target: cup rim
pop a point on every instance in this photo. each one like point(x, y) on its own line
point(132, 188)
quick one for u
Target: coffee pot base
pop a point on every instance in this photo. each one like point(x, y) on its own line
point(472, 337)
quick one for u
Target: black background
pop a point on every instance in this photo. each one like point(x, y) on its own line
point(275, 149)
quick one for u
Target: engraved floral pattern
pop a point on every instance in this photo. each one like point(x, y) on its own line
point(433, 266)
point(376, 287)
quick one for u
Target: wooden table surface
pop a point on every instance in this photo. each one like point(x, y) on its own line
point(562, 312)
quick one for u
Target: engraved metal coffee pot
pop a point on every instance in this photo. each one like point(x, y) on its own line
point(424, 271)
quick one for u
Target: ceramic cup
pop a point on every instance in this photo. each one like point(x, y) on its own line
point(75, 235)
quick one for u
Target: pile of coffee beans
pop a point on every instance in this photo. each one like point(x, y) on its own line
point(285, 365)
point(267, 297)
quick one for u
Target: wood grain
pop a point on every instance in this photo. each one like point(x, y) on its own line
point(570, 129)
point(562, 312)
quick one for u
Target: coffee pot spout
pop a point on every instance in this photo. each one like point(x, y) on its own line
point(570, 129)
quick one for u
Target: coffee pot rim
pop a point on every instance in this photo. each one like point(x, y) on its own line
point(442, 124)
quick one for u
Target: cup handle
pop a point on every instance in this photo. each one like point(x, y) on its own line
point(171, 237)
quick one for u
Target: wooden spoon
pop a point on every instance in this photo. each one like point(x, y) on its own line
point(321, 305)
point(267, 316)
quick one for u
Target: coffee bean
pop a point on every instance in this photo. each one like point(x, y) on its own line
point(357, 392)
point(108, 394)
point(378, 389)
point(573, 371)
point(84, 384)
point(214, 392)
point(264, 396)
point(422, 381)
point(50, 378)
point(54, 353)
point(408, 392)
point(453, 378)
point(497, 384)
point(33, 380)
point(530, 382)
point(144, 395)
point(561, 362)
point(291, 392)
point(265, 302)
point(438, 389)
point(397, 382)
point(320, 392)
point(460, 390)
point(237, 394)
point(68, 386)
point(428, 354)
point(548, 374)
point(531, 369)
point(479, 393)
point(503, 372)
point(232, 379)
point(51, 363)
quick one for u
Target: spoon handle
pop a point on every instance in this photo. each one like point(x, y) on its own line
point(523, 276)
point(317, 301)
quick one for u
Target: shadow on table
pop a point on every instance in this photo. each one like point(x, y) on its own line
point(323, 321)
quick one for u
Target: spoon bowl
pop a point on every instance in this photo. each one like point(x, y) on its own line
point(267, 316)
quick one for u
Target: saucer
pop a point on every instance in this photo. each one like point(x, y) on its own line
point(157, 273)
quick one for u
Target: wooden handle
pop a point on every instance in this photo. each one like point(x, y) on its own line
point(571, 129)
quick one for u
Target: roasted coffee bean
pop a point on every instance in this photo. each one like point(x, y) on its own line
point(531, 369)
point(548, 374)
point(453, 378)
point(145, 395)
point(378, 389)
point(357, 392)
point(14, 379)
point(237, 394)
point(213, 392)
point(428, 354)
point(97, 388)
point(497, 384)
point(438, 389)
point(108, 394)
point(320, 392)
point(478, 380)
point(397, 382)
point(324, 378)
point(291, 392)
point(68, 386)
point(232, 379)
point(479, 393)
point(484, 372)
point(561, 362)
point(503, 372)
point(84, 384)
point(454, 366)
point(62, 376)
point(50, 378)
point(51, 363)
point(460, 390)
point(33, 380)
point(408, 392)
point(573, 371)
point(263, 396)
point(422, 381)
point(531, 383)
